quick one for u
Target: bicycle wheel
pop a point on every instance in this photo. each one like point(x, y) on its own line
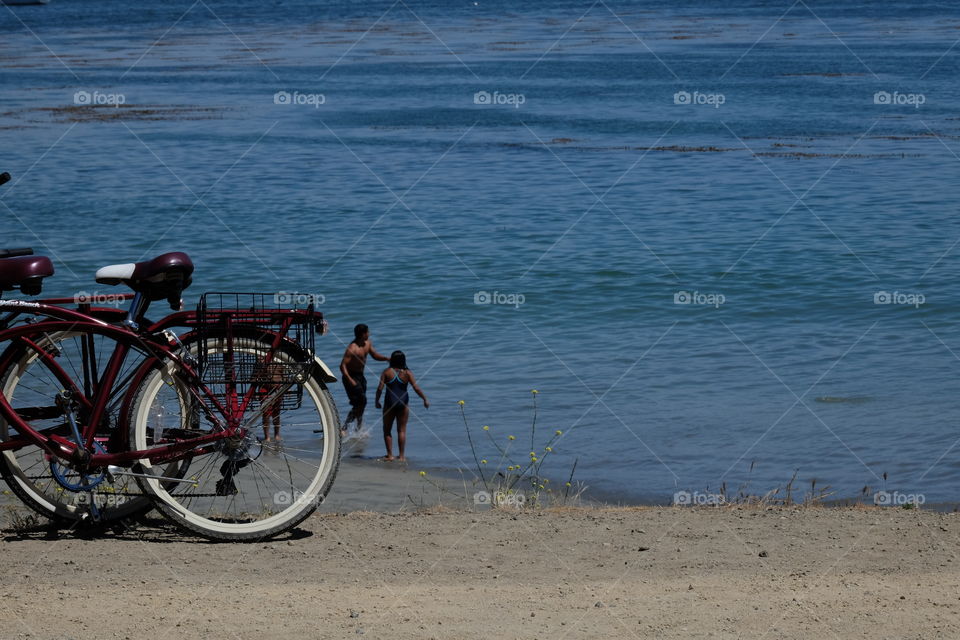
point(31, 385)
point(240, 488)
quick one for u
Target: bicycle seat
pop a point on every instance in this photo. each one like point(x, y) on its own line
point(26, 273)
point(163, 277)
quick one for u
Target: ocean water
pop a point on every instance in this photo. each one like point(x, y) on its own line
point(721, 241)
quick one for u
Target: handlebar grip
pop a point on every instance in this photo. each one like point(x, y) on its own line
point(4, 177)
point(13, 253)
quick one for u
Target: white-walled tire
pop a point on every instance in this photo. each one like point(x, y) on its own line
point(240, 489)
point(28, 384)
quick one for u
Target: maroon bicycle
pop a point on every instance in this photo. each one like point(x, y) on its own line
point(102, 409)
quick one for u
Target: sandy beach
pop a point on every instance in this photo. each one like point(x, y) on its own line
point(573, 573)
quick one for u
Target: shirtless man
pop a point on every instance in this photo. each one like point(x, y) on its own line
point(351, 368)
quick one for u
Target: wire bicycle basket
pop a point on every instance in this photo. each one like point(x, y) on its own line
point(259, 342)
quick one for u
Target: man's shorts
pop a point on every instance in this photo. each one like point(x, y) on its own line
point(357, 394)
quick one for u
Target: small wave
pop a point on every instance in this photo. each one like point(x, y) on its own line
point(842, 399)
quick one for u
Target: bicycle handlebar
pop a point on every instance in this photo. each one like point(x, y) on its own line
point(13, 253)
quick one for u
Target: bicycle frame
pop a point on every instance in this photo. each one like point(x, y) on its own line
point(159, 353)
point(103, 314)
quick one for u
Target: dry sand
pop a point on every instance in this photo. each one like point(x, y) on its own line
point(577, 573)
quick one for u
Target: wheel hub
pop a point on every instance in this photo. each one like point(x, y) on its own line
point(240, 448)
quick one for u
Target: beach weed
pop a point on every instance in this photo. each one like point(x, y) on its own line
point(510, 483)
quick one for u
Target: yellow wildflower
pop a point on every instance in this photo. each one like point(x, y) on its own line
point(558, 432)
point(461, 402)
point(483, 462)
point(534, 391)
point(486, 428)
point(511, 438)
point(423, 473)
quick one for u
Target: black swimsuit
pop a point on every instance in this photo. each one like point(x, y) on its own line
point(396, 393)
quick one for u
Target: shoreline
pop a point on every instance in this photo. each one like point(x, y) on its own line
point(366, 484)
point(368, 472)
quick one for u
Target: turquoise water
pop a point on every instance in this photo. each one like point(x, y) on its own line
point(785, 164)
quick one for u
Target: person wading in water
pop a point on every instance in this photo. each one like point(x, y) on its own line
point(396, 406)
point(354, 382)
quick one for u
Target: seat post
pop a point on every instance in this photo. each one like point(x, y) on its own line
point(138, 307)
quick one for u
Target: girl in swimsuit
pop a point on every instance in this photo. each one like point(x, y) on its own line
point(396, 406)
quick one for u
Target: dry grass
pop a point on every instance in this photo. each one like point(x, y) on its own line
point(18, 521)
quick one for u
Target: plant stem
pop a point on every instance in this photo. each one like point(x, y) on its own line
point(533, 427)
point(473, 449)
point(566, 489)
